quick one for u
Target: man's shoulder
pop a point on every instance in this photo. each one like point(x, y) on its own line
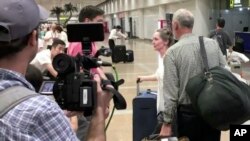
point(224, 33)
point(44, 54)
point(39, 103)
point(212, 33)
point(45, 51)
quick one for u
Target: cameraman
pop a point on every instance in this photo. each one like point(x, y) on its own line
point(88, 14)
point(44, 58)
point(37, 118)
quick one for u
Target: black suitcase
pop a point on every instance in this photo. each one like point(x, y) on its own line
point(119, 54)
point(144, 114)
point(129, 56)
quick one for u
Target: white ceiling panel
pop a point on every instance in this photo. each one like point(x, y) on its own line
point(48, 4)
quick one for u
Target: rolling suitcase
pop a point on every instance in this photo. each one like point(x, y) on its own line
point(144, 114)
point(119, 54)
point(129, 56)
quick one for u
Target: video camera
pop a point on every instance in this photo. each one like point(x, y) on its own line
point(75, 89)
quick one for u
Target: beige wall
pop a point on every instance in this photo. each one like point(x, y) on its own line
point(146, 13)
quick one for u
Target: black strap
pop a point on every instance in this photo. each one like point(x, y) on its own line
point(119, 101)
point(203, 53)
point(11, 97)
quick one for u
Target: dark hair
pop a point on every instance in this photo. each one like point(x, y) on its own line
point(34, 77)
point(166, 35)
point(57, 41)
point(14, 46)
point(59, 28)
point(221, 22)
point(118, 27)
point(90, 12)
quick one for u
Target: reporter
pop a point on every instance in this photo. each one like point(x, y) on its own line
point(18, 46)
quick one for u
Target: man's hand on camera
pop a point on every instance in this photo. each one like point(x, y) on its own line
point(103, 99)
point(97, 123)
point(72, 113)
point(101, 73)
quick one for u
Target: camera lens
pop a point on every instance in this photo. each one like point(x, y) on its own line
point(63, 64)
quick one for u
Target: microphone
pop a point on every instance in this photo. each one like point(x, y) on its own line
point(103, 63)
point(89, 62)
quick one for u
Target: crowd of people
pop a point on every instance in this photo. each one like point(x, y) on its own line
point(27, 50)
point(50, 31)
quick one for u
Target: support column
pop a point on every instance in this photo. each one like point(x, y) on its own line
point(140, 24)
point(202, 22)
point(126, 16)
point(162, 12)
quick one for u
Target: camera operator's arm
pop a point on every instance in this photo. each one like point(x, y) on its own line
point(101, 73)
point(97, 124)
point(73, 123)
point(51, 69)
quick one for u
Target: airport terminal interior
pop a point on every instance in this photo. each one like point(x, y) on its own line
point(139, 19)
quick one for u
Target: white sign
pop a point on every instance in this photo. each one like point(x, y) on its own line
point(237, 1)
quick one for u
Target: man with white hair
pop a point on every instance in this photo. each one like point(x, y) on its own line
point(183, 61)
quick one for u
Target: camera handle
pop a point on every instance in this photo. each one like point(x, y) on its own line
point(119, 101)
point(86, 46)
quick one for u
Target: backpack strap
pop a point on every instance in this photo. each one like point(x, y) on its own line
point(11, 97)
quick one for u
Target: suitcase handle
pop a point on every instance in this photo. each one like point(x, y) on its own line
point(138, 81)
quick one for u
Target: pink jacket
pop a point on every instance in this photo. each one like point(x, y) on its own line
point(76, 47)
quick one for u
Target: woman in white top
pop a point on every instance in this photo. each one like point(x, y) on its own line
point(162, 40)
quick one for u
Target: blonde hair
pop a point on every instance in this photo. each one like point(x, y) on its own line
point(166, 35)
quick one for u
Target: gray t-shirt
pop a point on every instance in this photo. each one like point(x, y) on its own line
point(222, 37)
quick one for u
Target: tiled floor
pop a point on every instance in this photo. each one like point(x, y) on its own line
point(120, 128)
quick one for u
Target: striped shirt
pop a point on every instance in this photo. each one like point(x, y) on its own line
point(183, 61)
point(36, 119)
